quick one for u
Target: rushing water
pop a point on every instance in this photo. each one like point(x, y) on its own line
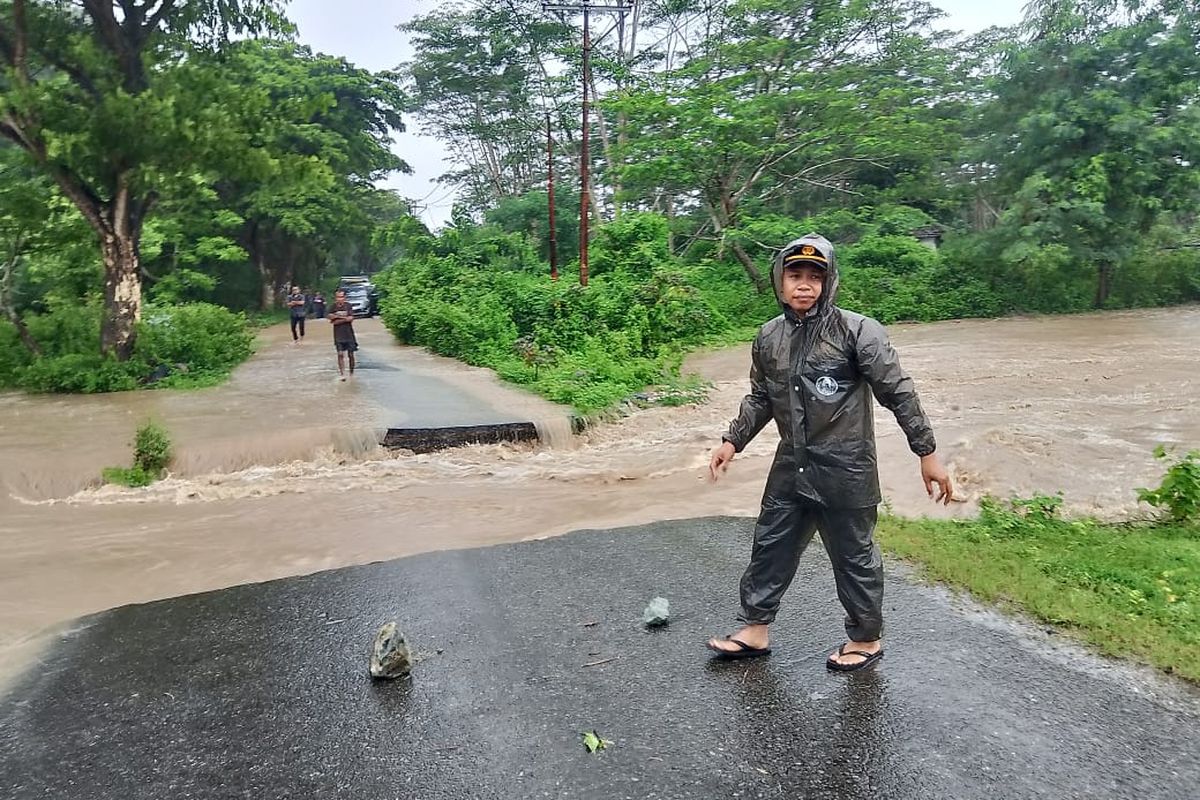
point(278, 472)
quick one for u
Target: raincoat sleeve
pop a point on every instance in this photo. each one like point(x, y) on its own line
point(879, 364)
point(755, 411)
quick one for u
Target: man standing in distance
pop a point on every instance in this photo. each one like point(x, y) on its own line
point(344, 341)
point(295, 303)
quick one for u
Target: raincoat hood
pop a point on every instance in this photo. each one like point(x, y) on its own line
point(829, 290)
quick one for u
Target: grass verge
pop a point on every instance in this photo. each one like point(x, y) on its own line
point(1128, 590)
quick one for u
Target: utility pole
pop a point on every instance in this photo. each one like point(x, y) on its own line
point(550, 194)
point(622, 8)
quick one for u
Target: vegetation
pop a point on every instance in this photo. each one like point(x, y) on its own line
point(160, 154)
point(1129, 590)
point(722, 133)
point(151, 457)
point(182, 346)
point(1178, 496)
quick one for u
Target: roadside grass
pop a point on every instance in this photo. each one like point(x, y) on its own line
point(1130, 590)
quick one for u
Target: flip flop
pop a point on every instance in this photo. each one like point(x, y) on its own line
point(745, 651)
point(868, 660)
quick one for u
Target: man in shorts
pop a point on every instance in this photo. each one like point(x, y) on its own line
point(342, 318)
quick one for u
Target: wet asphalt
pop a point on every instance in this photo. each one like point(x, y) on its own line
point(262, 691)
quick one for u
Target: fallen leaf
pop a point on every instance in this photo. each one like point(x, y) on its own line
point(592, 742)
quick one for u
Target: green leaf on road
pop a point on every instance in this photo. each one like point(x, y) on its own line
point(592, 741)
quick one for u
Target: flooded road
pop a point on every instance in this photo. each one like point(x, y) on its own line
point(278, 475)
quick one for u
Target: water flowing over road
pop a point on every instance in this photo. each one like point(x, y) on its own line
point(278, 472)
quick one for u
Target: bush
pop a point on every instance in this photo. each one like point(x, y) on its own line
point(81, 373)
point(1157, 277)
point(588, 347)
point(893, 279)
point(198, 338)
point(14, 357)
point(1016, 515)
point(193, 345)
point(67, 328)
point(127, 476)
point(635, 244)
point(151, 456)
point(1179, 493)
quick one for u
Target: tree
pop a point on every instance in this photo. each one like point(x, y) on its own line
point(482, 79)
point(1096, 129)
point(783, 101)
point(106, 98)
point(322, 128)
point(26, 208)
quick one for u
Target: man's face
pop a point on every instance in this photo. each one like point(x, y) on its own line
point(340, 297)
point(801, 286)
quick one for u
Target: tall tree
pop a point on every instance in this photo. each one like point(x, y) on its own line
point(786, 98)
point(482, 80)
point(322, 129)
point(1096, 127)
point(103, 96)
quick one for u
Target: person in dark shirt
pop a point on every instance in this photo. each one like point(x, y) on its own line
point(295, 303)
point(344, 341)
point(318, 304)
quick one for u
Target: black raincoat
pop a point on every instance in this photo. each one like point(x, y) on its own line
point(815, 376)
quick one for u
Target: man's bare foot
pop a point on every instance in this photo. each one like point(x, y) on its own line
point(754, 636)
point(848, 655)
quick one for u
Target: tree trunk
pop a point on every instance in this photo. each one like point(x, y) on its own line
point(6, 303)
point(122, 294)
point(27, 339)
point(723, 216)
point(609, 157)
point(267, 301)
point(751, 270)
point(669, 210)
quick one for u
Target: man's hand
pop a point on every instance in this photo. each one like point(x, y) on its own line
point(720, 460)
point(933, 472)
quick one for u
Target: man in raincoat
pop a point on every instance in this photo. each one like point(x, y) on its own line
point(814, 370)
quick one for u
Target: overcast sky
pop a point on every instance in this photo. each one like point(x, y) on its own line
point(364, 32)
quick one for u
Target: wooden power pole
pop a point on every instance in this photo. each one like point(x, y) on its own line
point(622, 8)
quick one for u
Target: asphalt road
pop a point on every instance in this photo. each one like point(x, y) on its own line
point(261, 691)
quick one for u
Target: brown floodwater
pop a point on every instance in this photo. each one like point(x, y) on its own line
point(278, 472)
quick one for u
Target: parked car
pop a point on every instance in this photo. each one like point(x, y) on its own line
point(361, 295)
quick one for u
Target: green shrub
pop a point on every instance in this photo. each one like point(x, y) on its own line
point(14, 357)
point(151, 448)
point(1156, 277)
point(197, 343)
point(635, 244)
point(589, 347)
point(127, 476)
point(67, 328)
point(151, 457)
point(81, 373)
point(196, 338)
point(1179, 493)
point(1016, 516)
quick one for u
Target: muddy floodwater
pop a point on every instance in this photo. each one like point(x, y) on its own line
point(278, 472)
